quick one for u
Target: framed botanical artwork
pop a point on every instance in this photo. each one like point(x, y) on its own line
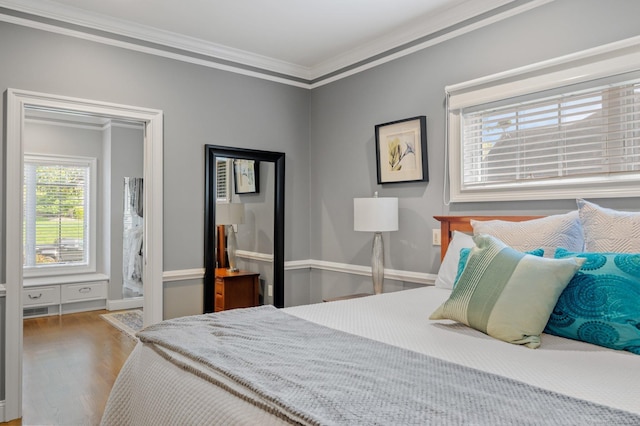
point(401, 151)
point(246, 176)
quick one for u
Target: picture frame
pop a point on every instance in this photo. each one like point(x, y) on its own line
point(246, 176)
point(401, 151)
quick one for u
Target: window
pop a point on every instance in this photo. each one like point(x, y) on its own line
point(592, 133)
point(223, 179)
point(528, 134)
point(58, 215)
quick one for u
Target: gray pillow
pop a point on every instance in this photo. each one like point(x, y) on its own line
point(608, 230)
point(548, 233)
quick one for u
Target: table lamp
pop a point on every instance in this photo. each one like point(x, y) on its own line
point(376, 215)
point(230, 214)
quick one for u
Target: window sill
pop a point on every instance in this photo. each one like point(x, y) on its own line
point(64, 279)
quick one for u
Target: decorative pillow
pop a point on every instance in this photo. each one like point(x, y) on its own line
point(505, 293)
point(464, 256)
point(608, 230)
point(561, 230)
point(449, 266)
point(601, 304)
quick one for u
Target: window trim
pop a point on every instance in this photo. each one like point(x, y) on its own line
point(91, 247)
point(600, 62)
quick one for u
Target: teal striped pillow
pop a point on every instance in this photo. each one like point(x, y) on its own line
point(507, 294)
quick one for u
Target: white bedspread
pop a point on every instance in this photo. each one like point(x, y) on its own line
point(570, 367)
point(150, 390)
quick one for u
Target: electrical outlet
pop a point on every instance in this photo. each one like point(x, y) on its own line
point(270, 290)
point(436, 237)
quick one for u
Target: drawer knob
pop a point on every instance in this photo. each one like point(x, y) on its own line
point(32, 297)
point(85, 290)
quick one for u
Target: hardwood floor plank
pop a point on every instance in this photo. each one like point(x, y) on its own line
point(70, 363)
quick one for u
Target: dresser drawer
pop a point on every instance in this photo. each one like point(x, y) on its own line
point(219, 303)
point(83, 291)
point(40, 296)
point(238, 289)
point(219, 286)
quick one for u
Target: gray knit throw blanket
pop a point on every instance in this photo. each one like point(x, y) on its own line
point(311, 374)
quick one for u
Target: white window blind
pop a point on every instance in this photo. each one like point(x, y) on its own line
point(223, 180)
point(565, 128)
point(590, 133)
point(56, 212)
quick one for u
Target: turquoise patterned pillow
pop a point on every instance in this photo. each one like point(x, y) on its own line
point(601, 304)
point(507, 294)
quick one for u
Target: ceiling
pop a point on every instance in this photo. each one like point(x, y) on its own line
point(304, 41)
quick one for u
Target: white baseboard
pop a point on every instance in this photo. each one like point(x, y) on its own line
point(2, 418)
point(129, 303)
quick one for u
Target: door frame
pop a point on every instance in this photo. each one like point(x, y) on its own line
point(16, 101)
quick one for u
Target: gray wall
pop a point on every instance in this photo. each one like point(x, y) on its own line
point(201, 106)
point(127, 148)
point(343, 115)
point(326, 133)
point(256, 234)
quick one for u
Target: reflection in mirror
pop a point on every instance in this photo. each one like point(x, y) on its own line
point(244, 227)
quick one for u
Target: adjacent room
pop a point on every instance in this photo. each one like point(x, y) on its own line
point(364, 212)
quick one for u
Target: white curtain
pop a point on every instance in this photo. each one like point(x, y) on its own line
point(132, 237)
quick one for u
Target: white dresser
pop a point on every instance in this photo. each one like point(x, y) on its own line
point(55, 299)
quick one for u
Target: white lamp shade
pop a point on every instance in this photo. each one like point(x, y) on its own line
point(229, 213)
point(375, 214)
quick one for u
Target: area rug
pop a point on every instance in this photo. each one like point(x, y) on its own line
point(130, 322)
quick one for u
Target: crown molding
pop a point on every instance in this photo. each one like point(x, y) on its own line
point(183, 57)
point(428, 40)
point(416, 31)
point(94, 21)
point(450, 23)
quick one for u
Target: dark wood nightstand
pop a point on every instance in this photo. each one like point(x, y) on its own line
point(236, 289)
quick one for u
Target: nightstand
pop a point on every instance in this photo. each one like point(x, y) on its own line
point(235, 289)
point(350, 296)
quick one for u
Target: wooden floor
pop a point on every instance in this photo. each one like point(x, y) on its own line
point(70, 363)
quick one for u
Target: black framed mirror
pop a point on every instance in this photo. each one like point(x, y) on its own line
point(213, 154)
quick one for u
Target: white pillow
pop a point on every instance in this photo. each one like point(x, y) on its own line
point(608, 230)
point(449, 268)
point(548, 233)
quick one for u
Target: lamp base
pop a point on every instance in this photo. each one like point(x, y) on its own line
point(377, 263)
point(232, 246)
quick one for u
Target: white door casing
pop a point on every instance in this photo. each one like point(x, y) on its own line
point(17, 101)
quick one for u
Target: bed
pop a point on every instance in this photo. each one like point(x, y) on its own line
point(447, 372)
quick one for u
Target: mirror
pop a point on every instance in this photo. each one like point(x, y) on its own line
point(263, 167)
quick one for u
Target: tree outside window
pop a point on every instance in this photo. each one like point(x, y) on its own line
point(55, 204)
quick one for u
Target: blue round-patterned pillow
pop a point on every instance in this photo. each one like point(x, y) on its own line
point(601, 304)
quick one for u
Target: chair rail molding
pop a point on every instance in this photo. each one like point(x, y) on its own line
point(346, 268)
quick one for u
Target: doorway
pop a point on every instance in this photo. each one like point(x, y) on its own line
point(17, 102)
point(82, 176)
